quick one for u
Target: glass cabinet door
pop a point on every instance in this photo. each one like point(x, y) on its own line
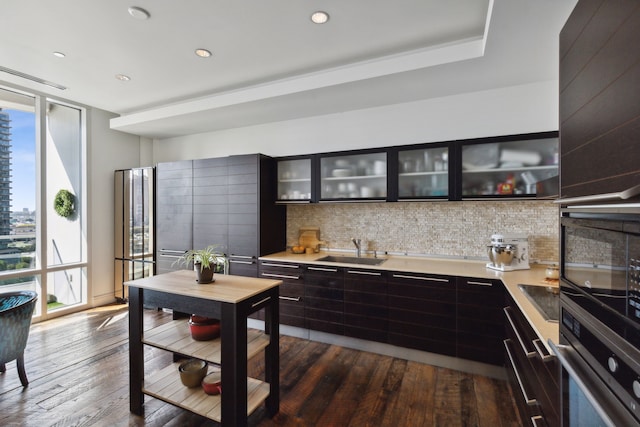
point(360, 176)
point(423, 173)
point(294, 180)
point(508, 168)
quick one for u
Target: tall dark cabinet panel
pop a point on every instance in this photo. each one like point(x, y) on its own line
point(599, 108)
point(227, 201)
point(210, 202)
point(174, 213)
point(257, 226)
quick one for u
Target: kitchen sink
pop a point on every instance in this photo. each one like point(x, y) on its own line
point(546, 299)
point(352, 260)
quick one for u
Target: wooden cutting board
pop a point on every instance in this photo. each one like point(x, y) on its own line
point(309, 237)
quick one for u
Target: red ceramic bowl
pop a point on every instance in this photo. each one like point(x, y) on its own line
point(211, 383)
point(206, 330)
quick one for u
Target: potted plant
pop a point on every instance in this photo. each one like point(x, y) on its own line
point(205, 261)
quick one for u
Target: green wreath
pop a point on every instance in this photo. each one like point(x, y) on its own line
point(64, 203)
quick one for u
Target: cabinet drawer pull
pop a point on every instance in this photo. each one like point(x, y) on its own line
point(241, 256)
point(172, 251)
point(235, 261)
point(271, 264)
point(544, 357)
point(537, 421)
point(474, 283)
point(295, 299)
point(281, 276)
point(260, 302)
point(528, 353)
point(332, 270)
point(368, 273)
point(529, 401)
point(430, 279)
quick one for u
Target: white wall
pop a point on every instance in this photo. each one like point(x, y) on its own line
point(503, 111)
point(108, 150)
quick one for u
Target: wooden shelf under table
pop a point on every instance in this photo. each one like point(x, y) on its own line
point(175, 336)
point(166, 385)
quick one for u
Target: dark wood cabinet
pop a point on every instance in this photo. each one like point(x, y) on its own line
point(227, 201)
point(599, 108)
point(422, 312)
point(210, 201)
point(174, 213)
point(480, 321)
point(324, 299)
point(501, 167)
point(291, 291)
point(366, 313)
point(533, 372)
point(256, 224)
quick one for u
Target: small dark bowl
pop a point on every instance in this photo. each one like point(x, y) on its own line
point(211, 384)
point(203, 328)
point(192, 372)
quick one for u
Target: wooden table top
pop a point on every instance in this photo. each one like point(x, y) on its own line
point(226, 288)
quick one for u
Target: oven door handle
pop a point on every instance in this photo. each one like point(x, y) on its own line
point(620, 195)
point(563, 352)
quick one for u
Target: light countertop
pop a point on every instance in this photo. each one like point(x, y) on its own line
point(453, 267)
point(230, 289)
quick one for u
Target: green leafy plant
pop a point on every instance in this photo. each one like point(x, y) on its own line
point(64, 203)
point(209, 257)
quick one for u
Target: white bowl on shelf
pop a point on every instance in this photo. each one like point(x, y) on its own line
point(341, 173)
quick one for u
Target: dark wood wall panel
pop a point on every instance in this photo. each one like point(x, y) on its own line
point(598, 23)
point(615, 57)
point(580, 16)
point(599, 88)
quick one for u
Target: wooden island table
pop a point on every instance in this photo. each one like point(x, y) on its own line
point(230, 299)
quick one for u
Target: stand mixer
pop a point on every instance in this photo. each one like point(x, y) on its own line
point(508, 252)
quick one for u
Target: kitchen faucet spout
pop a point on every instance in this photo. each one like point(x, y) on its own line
point(357, 243)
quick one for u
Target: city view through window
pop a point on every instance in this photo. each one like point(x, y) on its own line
point(17, 192)
point(41, 250)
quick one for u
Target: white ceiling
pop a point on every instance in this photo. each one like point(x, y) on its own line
point(269, 61)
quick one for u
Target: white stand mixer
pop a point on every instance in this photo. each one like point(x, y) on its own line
point(508, 252)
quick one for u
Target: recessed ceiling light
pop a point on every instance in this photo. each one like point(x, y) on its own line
point(59, 54)
point(319, 17)
point(123, 77)
point(138, 13)
point(203, 53)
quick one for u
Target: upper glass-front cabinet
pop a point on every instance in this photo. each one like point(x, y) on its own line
point(294, 180)
point(358, 176)
point(423, 173)
point(510, 168)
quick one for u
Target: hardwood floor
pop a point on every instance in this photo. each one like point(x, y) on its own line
point(78, 371)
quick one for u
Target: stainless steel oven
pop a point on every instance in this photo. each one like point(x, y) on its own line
point(599, 347)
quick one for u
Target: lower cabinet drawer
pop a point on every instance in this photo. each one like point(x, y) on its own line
point(536, 373)
point(528, 405)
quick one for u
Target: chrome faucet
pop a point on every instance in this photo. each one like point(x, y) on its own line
point(357, 243)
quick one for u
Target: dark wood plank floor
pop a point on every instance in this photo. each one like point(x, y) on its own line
point(78, 371)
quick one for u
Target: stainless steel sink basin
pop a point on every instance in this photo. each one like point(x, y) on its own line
point(546, 299)
point(352, 260)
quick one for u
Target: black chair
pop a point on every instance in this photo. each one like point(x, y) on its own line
point(16, 310)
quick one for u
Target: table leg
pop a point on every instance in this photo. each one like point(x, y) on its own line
point(272, 354)
point(233, 337)
point(136, 357)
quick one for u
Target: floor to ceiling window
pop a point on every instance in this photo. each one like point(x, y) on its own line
point(42, 157)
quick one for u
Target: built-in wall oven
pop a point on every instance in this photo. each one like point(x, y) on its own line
point(599, 347)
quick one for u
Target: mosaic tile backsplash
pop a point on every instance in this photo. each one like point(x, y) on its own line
point(450, 229)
